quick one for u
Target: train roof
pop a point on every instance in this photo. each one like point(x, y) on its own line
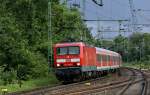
point(106, 51)
point(69, 44)
point(83, 44)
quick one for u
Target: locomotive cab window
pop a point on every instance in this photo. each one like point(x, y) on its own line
point(62, 51)
point(73, 50)
point(68, 50)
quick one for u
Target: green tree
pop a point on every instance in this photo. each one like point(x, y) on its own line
point(24, 37)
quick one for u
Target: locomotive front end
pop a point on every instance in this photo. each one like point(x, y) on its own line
point(67, 56)
point(67, 61)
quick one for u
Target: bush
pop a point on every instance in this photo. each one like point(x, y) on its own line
point(8, 77)
point(40, 67)
point(32, 65)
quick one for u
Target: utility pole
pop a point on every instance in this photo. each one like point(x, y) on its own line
point(140, 55)
point(141, 50)
point(50, 51)
point(99, 34)
point(133, 14)
point(120, 21)
point(83, 16)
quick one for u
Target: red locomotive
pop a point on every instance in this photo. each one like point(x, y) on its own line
point(77, 60)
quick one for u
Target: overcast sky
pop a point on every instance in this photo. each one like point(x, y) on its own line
point(115, 9)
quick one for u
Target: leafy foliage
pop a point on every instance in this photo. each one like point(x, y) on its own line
point(136, 47)
point(133, 48)
point(24, 35)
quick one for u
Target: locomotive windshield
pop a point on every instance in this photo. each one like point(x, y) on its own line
point(68, 50)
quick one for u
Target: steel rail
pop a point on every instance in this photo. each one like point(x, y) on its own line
point(41, 90)
point(80, 87)
point(144, 84)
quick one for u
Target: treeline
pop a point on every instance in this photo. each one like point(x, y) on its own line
point(134, 48)
point(24, 36)
point(22, 39)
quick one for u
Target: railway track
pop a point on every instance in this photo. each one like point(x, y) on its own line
point(139, 78)
point(136, 78)
point(59, 87)
point(97, 86)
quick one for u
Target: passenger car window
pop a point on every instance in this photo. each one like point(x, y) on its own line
point(99, 57)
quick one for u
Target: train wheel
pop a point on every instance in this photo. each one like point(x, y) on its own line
point(99, 74)
point(66, 82)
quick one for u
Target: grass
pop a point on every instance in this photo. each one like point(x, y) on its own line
point(31, 84)
point(142, 65)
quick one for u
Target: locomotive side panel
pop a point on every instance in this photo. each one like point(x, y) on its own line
point(89, 59)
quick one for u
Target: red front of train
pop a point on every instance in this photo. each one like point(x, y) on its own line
point(78, 60)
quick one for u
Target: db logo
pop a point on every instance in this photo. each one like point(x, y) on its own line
point(67, 56)
point(68, 60)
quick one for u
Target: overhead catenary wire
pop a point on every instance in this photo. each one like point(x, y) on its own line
point(98, 3)
point(103, 10)
point(119, 3)
point(99, 33)
point(89, 9)
point(143, 16)
point(84, 9)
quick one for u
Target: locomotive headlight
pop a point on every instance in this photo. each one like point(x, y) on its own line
point(60, 60)
point(75, 60)
point(78, 64)
point(58, 65)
